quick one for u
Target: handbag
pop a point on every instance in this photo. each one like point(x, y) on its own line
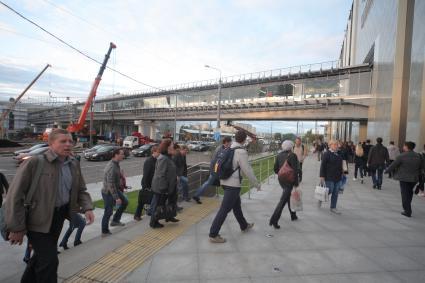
point(296, 200)
point(321, 193)
point(286, 173)
point(28, 198)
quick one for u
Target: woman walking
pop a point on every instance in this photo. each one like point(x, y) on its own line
point(164, 182)
point(285, 155)
point(331, 173)
point(358, 162)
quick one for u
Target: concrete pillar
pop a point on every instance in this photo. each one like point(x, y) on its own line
point(153, 130)
point(140, 124)
point(362, 130)
point(401, 75)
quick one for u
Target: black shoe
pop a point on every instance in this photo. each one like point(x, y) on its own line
point(275, 225)
point(378, 187)
point(107, 233)
point(64, 246)
point(374, 186)
point(114, 223)
point(26, 259)
point(406, 214)
point(294, 216)
point(76, 243)
point(197, 199)
point(156, 225)
point(172, 219)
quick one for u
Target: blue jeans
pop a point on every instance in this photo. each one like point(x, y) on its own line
point(377, 172)
point(334, 190)
point(109, 203)
point(231, 201)
point(184, 187)
point(209, 182)
point(77, 221)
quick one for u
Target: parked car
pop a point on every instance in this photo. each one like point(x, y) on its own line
point(104, 153)
point(24, 156)
point(92, 149)
point(201, 147)
point(192, 144)
point(34, 147)
point(144, 150)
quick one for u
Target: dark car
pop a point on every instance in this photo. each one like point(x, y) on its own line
point(34, 147)
point(92, 149)
point(144, 150)
point(103, 153)
point(201, 147)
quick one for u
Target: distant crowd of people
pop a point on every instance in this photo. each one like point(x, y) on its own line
point(49, 189)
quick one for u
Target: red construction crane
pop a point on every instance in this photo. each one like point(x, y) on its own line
point(77, 127)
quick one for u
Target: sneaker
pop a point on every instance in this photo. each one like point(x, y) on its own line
point(77, 243)
point(217, 240)
point(105, 234)
point(64, 246)
point(172, 219)
point(248, 227)
point(354, 179)
point(114, 223)
point(336, 211)
point(197, 199)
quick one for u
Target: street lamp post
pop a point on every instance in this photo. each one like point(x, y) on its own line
point(219, 96)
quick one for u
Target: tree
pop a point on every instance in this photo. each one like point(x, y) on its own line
point(277, 136)
point(289, 136)
point(309, 137)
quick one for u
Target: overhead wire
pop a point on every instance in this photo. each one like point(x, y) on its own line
point(76, 49)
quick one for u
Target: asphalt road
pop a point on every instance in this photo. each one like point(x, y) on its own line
point(93, 170)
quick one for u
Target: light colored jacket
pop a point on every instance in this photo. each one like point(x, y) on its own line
point(111, 179)
point(300, 152)
point(43, 203)
point(393, 151)
point(240, 159)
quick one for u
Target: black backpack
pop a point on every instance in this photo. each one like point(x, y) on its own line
point(223, 163)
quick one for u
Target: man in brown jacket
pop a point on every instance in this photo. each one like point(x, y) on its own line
point(60, 190)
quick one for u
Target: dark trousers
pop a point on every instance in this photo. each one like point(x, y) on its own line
point(300, 173)
point(142, 200)
point(43, 265)
point(76, 222)
point(157, 199)
point(109, 203)
point(406, 189)
point(231, 201)
point(358, 167)
point(377, 172)
point(284, 199)
point(390, 175)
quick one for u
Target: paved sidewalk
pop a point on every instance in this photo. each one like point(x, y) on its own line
point(369, 242)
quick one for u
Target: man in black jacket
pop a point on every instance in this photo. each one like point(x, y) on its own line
point(377, 158)
point(181, 166)
point(148, 171)
point(4, 186)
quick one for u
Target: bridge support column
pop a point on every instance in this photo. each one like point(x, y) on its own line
point(362, 130)
point(153, 130)
point(140, 124)
point(401, 74)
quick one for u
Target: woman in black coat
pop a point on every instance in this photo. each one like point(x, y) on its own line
point(285, 155)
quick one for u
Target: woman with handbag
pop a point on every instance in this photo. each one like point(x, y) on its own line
point(287, 168)
point(164, 185)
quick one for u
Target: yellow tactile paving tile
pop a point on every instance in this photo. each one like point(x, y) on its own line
point(117, 264)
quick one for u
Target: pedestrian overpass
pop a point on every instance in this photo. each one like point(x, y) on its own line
point(323, 91)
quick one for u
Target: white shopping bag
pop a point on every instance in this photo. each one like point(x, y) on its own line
point(321, 193)
point(296, 200)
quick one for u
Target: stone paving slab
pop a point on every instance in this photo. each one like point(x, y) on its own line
point(369, 242)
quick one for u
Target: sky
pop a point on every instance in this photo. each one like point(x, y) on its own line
point(160, 43)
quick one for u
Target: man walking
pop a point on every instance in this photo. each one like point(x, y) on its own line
point(148, 171)
point(60, 190)
point(366, 149)
point(407, 168)
point(111, 192)
point(301, 153)
point(181, 166)
point(377, 158)
point(232, 189)
point(393, 152)
point(212, 179)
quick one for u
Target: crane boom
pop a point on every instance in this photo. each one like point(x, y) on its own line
point(76, 127)
point(12, 106)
